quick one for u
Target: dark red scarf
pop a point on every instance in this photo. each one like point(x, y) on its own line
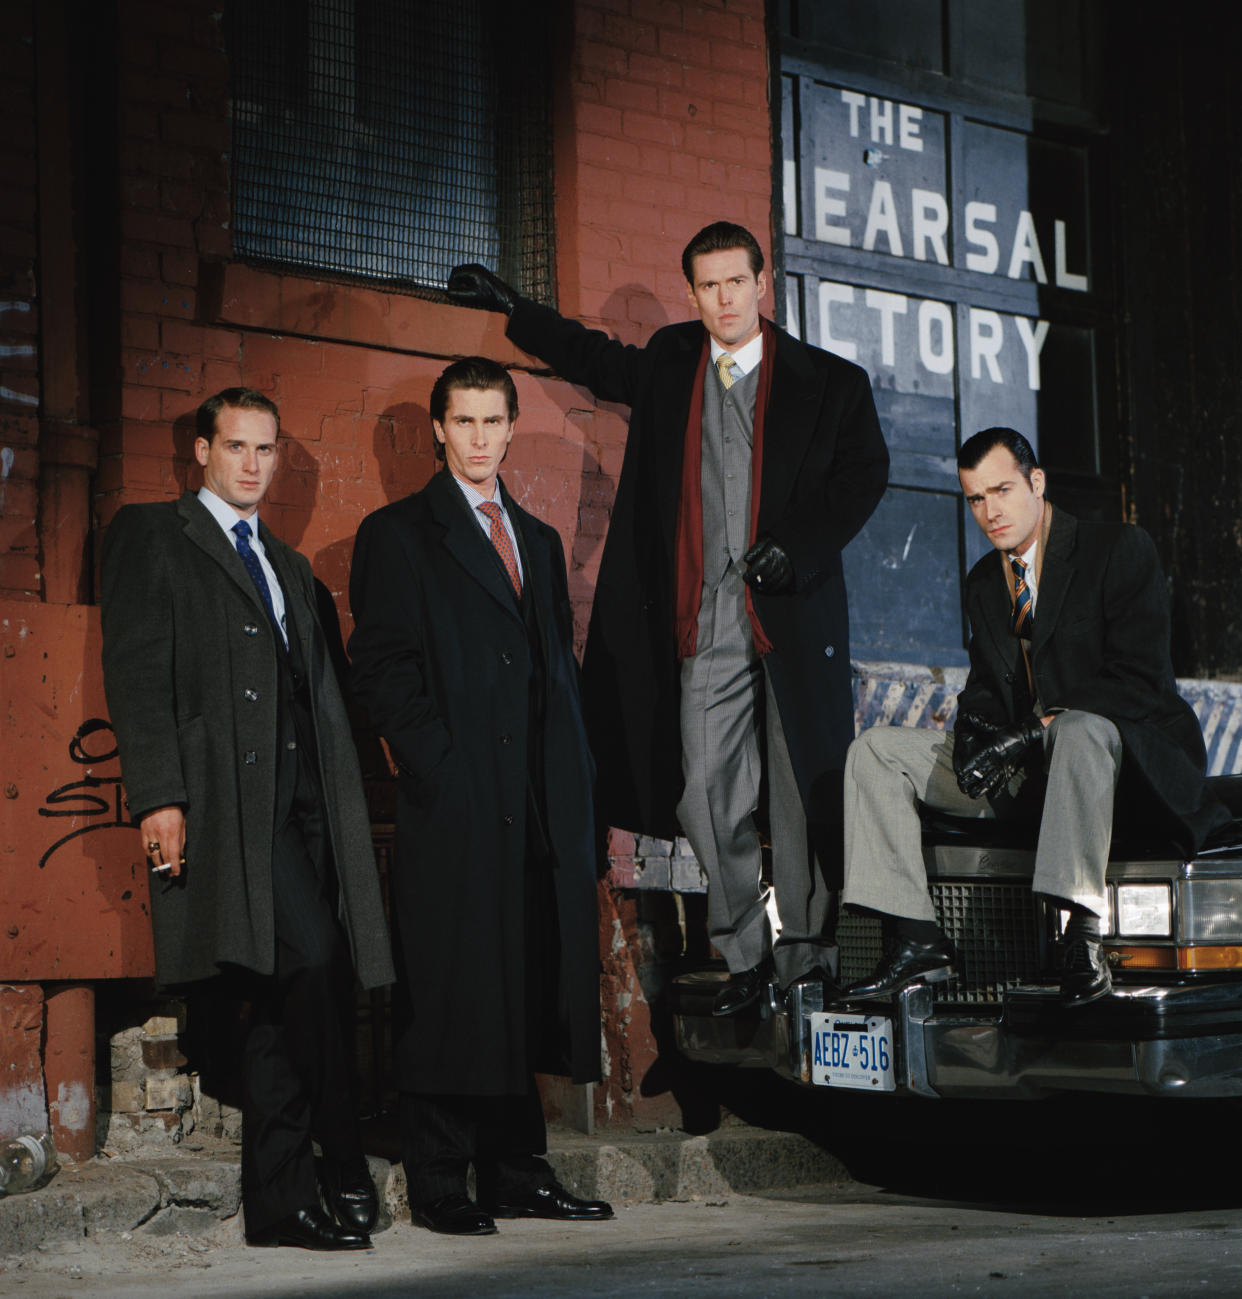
point(689, 557)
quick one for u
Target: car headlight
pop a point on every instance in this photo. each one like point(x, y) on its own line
point(1144, 911)
point(1211, 911)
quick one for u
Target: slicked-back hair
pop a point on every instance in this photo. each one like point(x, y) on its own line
point(719, 237)
point(238, 399)
point(478, 372)
point(976, 447)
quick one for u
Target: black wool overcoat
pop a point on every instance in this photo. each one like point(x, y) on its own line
point(1100, 645)
point(442, 663)
point(825, 467)
point(190, 673)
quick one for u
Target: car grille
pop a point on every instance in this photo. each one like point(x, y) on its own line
point(995, 928)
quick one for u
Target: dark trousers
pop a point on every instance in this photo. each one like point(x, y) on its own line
point(298, 1078)
point(504, 1137)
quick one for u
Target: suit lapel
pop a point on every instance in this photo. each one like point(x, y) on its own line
point(202, 529)
point(464, 539)
point(672, 396)
point(300, 613)
point(788, 424)
point(1055, 578)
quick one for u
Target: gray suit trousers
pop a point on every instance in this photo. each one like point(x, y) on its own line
point(728, 713)
point(891, 769)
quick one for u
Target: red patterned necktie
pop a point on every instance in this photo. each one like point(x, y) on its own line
point(504, 547)
point(1021, 622)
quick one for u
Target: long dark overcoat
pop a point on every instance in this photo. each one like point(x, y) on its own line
point(824, 470)
point(190, 673)
point(1101, 645)
point(442, 662)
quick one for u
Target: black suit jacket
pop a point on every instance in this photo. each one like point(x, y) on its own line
point(825, 467)
point(1101, 645)
point(443, 661)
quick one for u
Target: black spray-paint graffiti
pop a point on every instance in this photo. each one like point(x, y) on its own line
point(96, 797)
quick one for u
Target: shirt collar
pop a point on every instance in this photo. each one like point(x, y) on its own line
point(474, 497)
point(745, 358)
point(225, 515)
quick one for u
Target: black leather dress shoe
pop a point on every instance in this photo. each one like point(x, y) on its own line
point(741, 991)
point(454, 1215)
point(552, 1201)
point(350, 1194)
point(310, 1229)
point(1084, 976)
point(908, 962)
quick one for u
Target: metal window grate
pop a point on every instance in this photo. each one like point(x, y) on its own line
point(392, 139)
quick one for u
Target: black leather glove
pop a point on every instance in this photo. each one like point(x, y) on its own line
point(768, 567)
point(473, 285)
point(990, 755)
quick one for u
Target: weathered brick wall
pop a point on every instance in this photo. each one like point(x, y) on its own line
point(19, 381)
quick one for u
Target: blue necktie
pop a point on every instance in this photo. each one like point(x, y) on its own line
point(255, 569)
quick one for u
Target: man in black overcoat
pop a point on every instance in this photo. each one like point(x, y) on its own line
point(1070, 714)
point(240, 769)
point(717, 660)
point(462, 654)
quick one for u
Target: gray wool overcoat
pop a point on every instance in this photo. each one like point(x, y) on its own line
point(190, 673)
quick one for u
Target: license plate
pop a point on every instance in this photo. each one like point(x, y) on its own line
point(852, 1051)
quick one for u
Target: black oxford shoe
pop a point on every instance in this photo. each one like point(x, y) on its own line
point(908, 962)
point(552, 1201)
point(311, 1229)
point(741, 991)
point(1084, 976)
point(454, 1215)
point(350, 1194)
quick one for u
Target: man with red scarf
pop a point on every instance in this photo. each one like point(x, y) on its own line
point(718, 650)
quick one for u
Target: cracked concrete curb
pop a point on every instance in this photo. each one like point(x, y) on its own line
point(197, 1192)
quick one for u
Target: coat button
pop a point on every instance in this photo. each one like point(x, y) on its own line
point(291, 744)
point(251, 629)
point(506, 657)
point(252, 696)
point(509, 819)
point(829, 651)
point(1009, 677)
point(251, 757)
point(506, 738)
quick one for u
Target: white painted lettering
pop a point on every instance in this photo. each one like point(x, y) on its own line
point(826, 206)
point(936, 315)
point(1065, 278)
point(988, 260)
point(1033, 341)
point(888, 305)
point(931, 223)
point(882, 219)
point(909, 119)
point(881, 120)
point(1026, 249)
point(855, 101)
point(987, 333)
point(829, 293)
point(790, 177)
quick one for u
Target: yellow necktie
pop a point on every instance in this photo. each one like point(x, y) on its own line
point(724, 367)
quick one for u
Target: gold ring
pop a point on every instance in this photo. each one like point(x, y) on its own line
point(153, 846)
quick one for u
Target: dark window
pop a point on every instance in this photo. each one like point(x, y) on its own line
point(392, 139)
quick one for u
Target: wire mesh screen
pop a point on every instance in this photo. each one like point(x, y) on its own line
point(393, 139)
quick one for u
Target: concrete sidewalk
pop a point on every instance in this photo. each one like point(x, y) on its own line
point(196, 1190)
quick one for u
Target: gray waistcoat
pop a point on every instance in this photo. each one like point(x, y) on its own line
point(728, 428)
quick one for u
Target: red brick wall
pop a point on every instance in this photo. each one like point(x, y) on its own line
point(661, 125)
point(19, 322)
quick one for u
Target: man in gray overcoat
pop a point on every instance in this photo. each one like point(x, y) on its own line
point(462, 654)
point(240, 770)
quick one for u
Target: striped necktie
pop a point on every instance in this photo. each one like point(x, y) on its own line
point(1021, 622)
